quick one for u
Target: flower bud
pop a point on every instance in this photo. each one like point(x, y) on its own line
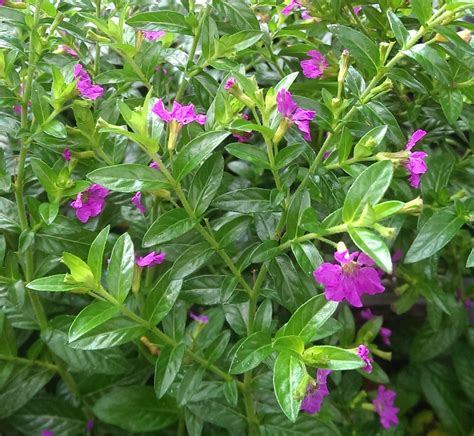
point(385, 232)
point(383, 88)
point(95, 37)
point(344, 64)
point(282, 129)
point(384, 50)
point(412, 207)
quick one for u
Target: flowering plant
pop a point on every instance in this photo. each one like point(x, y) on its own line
point(236, 217)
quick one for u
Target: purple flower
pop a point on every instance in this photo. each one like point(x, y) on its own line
point(154, 165)
point(70, 51)
point(47, 433)
point(416, 165)
point(152, 35)
point(315, 392)
point(90, 203)
point(181, 114)
point(294, 114)
point(230, 83)
point(385, 334)
point(243, 136)
point(90, 425)
point(357, 9)
point(315, 66)
point(84, 84)
point(305, 15)
point(468, 304)
point(363, 353)
point(384, 406)
point(2, 2)
point(349, 280)
point(159, 68)
point(367, 314)
point(151, 259)
point(294, 4)
point(202, 319)
point(67, 154)
point(137, 201)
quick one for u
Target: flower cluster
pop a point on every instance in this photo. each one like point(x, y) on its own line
point(84, 84)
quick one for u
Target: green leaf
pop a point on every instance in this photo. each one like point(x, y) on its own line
point(263, 317)
point(161, 20)
point(434, 235)
point(5, 177)
point(239, 41)
point(191, 260)
point(48, 212)
point(54, 283)
point(231, 393)
point(40, 103)
point(422, 10)
point(369, 330)
point(368, 188)
point(307, 256)
point(334, 358)
point(398, 29)
point(45, 175)
point(196, 151)
point(129, 178)
point(161, 298)
point(111, 333)
point(364, 50)
point(369, 141)
point(429, 59)
point(291, 344)
point(120, 272)
point(56, 129)
point(386, 209)
point(190, 383)
point(300, 202)
point(289, 380)
point(136, 409)
point(267, 250)
point(308, 318)
point(209, 38)
point(470, 259)
point(96, 253)
point(170, 225)
point(251, 352)
point(249, 200)
point(373, 245)
point(451, 101)
point(233, 230)
point(90, 317)
point(205, 184)
point(249, 153)
point(80, 271)
point(167, 368)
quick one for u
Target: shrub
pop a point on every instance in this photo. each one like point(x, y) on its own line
point(236, 217)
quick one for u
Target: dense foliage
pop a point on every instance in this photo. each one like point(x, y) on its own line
point(236, 217)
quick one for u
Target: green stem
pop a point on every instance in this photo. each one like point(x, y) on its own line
point(97, 44)
point(28, 362)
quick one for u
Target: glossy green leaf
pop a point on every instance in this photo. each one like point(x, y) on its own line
point(289, 383)
point(334, 358)
point(129, 178)
point(249, 153)
point(373, 245)
point(422, 10)
point(170, 21)
point(161, 298)
point(231, 393)
point(196, 151)
point(191, 260)
point(307, 256)
point(434, 235)
point(248, 200)
point(54, 283)
point(121, 266)
point(398, 29)
point(167, 227)
point(167, 367)
point(251, 352)
point(96, 253)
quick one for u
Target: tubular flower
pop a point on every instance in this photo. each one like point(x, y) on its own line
point(151, 259)
point(315, 392)
point(84, 84)
point(350, 279)
point(384, 406)
point(177, 118)
point(152, 35)
point(293, 114)
point(70, 51)
point(90, 203)
point(416, 165)
point(230, 83)
point(385, 334)
point(202, 319)
point(67, 154)
point(315, 66)
point(363, 353)
point(137, 201)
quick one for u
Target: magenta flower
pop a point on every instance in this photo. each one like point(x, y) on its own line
point(47, 433)
point(159, 68)
point(154, 165)
point(84, 84)
point(152, 35)
point(416, 165)
point(357, 9)
point(202, 319)
point(315, 392)
point(289, 110)
point(151, 259)
point(230, 83)
point(70, 51)
point(137, 201)
point(315, 66)
point(294, 4)
point(363, 353)
point(181, 114)
point(243, 136)
point(90, 203)
point(67, 154)
point(305, 15)
point(385, 334)
point(384, 406)
point(468, 304)
point(90, 425)
point(367, 314)
point(2, 2)
point(349, 280)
